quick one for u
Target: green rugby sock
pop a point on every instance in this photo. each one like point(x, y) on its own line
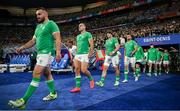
point(50, 84)
point(126, 74)
point(117, 77)
point(32, 87)
point(78, 81)
point(102, 79)
point(90, 78)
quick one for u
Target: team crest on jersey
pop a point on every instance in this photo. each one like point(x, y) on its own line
point(43, 27)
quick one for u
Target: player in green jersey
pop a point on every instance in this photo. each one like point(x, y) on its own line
point(139, 56)
point(152, 58)
point(159, 60)
point(81, 59)
point(166, 61)
point(112, 47)
point(145, 60)
point(46, 34)
point(130, 49)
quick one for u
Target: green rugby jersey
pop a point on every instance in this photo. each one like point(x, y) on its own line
point(152, 54)
point(130, 47)
point(45, 42)
point(83, 42)
point(110, 45)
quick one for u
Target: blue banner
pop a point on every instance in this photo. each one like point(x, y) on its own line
point(159, 40)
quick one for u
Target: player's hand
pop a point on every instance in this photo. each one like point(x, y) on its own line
point(19, 50)
point(58, 57)
point(111, 53)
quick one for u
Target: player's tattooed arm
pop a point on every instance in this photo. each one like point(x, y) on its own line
point(57, 37)
point(29, 44)
point(91, 42)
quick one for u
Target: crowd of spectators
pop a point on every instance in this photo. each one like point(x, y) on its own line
point(144, 14)
point(139, 22)
point(115, 4)
point(170, 26)
point(112, 4)
point(165, 27)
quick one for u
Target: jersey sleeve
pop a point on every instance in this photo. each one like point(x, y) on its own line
point(89, 35)
point(54, 27)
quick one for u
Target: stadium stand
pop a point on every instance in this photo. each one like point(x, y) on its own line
point(141, 21)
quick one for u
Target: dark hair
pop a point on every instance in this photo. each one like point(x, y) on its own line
point(82, 23)
point(129, 34)
point(110, 31)
point(41, 8)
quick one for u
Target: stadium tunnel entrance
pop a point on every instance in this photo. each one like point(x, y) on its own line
point(173, 50)
point(169, 42)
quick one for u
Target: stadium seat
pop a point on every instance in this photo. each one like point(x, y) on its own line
point(3, 68)
point(19, 63)
point(64, 61)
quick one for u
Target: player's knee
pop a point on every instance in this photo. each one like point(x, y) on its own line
point(36, 73)
point(126, 66)
point(77, 70)
point(116, 68)
point(84, 70)
point(105, 68)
